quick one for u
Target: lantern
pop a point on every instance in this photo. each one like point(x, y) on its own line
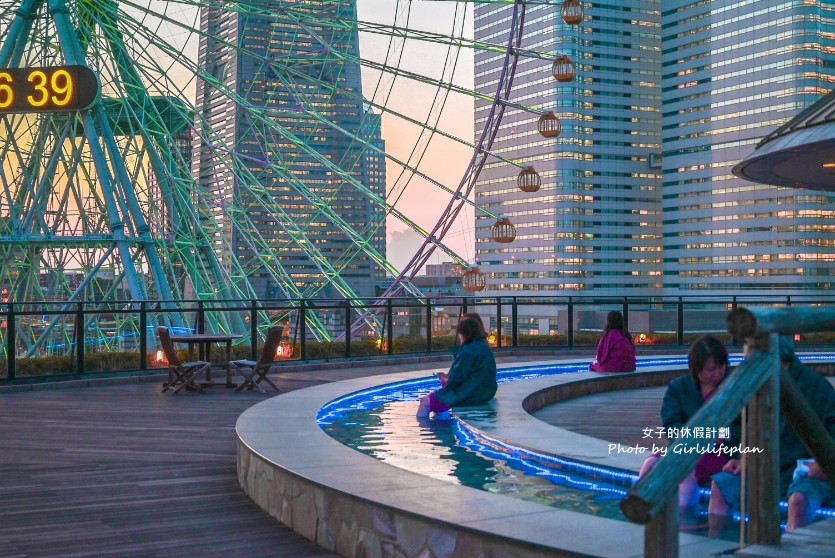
point(528, 180)
point(549, 125)
point(284, 350)
point(160, 356)
point(503, 230)
point(572, 12)
point(563, 69)
point(473, 280)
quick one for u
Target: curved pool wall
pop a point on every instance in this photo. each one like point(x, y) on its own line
point(355, 505)
point(469, 432)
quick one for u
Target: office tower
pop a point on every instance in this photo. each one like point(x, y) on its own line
point(732, 73)
point(374, 174)
point(708, 81)
point(305, 81)
point(594, 227)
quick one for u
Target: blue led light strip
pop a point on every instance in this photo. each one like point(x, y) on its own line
point(524, 459)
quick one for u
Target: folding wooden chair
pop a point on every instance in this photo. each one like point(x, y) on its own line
point(255, 372)
point(180, 374)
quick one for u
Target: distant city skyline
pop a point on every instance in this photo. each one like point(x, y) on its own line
point(594, 225)
point(321, 103)
point(637, 194)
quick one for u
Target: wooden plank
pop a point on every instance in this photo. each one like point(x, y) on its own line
point(749, 322)
point(647, 496)
point(661, 533)
point(128, 471)
point(125, 470)
point(763, 468)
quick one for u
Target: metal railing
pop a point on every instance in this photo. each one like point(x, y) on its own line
point(60, 338)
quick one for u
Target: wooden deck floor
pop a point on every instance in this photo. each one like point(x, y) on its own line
point(125, 470)
point(617, 417)
point(128, 471)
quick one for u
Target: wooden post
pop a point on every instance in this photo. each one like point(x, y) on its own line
point(661, 533)
point(764, 468)
point(649, 494)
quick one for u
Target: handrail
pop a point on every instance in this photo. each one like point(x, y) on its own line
point(759, 383)
point(510, 318)
point(755, 322)
point(649, 494)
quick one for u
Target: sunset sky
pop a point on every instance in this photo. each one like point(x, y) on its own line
point(445, 160)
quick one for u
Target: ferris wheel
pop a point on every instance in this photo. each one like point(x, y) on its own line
point(147, 191)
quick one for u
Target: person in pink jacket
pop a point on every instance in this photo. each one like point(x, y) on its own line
point(615, 351)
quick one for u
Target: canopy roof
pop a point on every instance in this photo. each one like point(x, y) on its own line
point(798, 154)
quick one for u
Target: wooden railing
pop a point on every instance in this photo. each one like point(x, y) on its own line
point(760, 384)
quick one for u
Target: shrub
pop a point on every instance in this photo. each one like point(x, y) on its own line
point(540, 340)
point(44, 366)
point(106, 361)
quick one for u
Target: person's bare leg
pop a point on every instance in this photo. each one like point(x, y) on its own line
point(423, 407)
point(688, 491)
point(648, 464)
point(717, 511)
point(797, 512)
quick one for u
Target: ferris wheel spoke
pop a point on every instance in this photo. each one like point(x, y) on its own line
point(320, 204)
point(128, 178)
point(403, 164)
point(488, 135)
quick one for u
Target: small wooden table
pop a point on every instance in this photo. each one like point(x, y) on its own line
point(205, 340)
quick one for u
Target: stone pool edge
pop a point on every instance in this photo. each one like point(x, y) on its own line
point(516, 400)
point(355, 505)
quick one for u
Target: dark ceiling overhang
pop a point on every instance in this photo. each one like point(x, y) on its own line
point(799, 154)
point(796, 160)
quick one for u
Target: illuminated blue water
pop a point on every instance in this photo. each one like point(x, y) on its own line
point(380, 422)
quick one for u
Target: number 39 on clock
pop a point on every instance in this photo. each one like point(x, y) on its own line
point(49, 89)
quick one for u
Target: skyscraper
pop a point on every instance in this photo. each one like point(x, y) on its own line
point(594, 227)
point(302, 148)
point(733, 72)
point(682, 94)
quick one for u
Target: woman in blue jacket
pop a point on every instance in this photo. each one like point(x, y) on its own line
point(472, 377)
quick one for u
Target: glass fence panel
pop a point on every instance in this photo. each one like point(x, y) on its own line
point(110, 337)
point(702, 317)
point(409, 329)
point(590, 320)
point(447, 313)
point(368, 329)
point(653, 323)
point(326, 329)
point(45, 342)
point(289, 317)
point(488, 310)
point(4, 357)
point(539, 324)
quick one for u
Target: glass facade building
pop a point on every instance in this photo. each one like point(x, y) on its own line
point(594, 227)
point(637, 192)
point(732, 73)
point(311, 96)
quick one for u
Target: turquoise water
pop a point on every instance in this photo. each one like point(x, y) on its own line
point(444, 450)
point(380, 422)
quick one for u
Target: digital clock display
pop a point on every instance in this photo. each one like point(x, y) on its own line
point(57, 88)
